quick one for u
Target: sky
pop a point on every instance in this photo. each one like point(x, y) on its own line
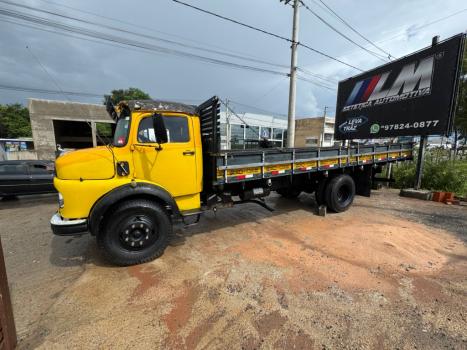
point(41, 57)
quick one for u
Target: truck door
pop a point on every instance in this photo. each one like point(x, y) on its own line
point(174, 166)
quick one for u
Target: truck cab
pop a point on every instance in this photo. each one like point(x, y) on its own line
point(155, 158)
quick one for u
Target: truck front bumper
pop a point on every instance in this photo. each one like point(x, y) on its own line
point(63, 227)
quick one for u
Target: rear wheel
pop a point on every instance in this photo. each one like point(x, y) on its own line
point(137, 231)
point(339, 193)
point(289, 192)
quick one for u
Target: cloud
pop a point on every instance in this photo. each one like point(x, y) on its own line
point(82, 65)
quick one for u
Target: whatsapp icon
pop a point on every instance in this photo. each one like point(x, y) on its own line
point(374, 129)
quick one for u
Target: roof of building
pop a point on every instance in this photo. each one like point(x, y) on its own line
point(158, 105)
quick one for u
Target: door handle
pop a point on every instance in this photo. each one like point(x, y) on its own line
point(189, 153)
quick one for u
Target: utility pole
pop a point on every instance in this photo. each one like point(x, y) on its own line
point(228, 142)
point(293, 74)
point(423, 140)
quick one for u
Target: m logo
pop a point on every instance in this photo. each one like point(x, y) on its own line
point(414, 77)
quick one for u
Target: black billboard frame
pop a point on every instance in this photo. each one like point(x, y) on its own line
point(453, 104)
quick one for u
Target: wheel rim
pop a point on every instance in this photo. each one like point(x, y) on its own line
point(343, 194)
point(138, 232)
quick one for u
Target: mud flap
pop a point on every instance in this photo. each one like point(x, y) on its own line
point(363, 181)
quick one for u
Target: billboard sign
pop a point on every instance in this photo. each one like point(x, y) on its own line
point(414, 95)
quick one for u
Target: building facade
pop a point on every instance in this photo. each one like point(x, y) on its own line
point(71, 125)
point(314, 132)
point(246, 130)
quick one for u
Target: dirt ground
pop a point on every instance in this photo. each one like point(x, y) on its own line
point(389, 273)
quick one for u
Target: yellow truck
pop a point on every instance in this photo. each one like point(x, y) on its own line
point(165, 167)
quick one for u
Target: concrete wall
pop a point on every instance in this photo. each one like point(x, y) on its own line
point(309, 127)
point(21, 155)
point(44, 112)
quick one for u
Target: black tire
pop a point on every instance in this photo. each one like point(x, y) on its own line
point(339, 193)
point(319, 194)
point(290, 192)
point(137, 231)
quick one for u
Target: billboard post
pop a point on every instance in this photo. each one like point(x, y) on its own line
point(423, 141)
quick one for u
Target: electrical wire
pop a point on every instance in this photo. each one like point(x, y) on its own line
point(375, 54)
point(266, 32)
point(152, 37)
point(117, 40)
point(138, 25)
point(100, 96)
point(353, 29)
point(234, 21)
point(48, 92)
point(107, 142)
point(129, 42)
point(318, 76)
point(425, 25)
point(258, 109)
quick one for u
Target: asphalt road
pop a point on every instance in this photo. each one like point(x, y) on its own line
point(389, 273)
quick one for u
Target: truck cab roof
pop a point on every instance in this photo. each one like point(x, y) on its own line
point(158, 106)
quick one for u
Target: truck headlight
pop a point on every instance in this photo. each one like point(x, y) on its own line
point(61, 201)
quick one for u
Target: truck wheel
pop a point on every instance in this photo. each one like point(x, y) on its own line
point(137, 231)
point(339, 193)
point(290, 192)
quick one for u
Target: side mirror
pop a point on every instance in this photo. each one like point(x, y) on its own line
point(159, 128)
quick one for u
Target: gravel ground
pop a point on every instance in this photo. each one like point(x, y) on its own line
point(389, 273)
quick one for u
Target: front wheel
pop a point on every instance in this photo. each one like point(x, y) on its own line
point(339, 193)
point(137, 231)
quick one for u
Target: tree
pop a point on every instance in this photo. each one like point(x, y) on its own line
point(128, 94)
point(14, 121)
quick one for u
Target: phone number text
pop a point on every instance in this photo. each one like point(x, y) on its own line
point(414, 125)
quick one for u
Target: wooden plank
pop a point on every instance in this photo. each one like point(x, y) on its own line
point(7, 322)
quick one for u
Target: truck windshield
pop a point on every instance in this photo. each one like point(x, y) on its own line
point(121, 132)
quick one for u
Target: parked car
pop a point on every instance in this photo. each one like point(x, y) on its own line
point(21, 177)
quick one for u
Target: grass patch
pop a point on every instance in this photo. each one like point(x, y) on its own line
point(443, 175)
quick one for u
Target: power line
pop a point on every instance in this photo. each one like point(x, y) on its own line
point(265, 32)
point(330, 57)
point(152, 37)
point(100, 96)
point(258, 109)
point(46, 71)
point(317, 84)
point(377, 55)
point(243, 57)
point(354, 30)
point(426, 25)
point(130, 42)
point(138, 25)
point(281, 80)
point(418, 28)
point(233, 21)
point(318, 76)
point(46, 91)
point(107, 141)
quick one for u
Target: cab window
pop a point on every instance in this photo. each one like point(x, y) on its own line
point(177, 130)
point(121, 132)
